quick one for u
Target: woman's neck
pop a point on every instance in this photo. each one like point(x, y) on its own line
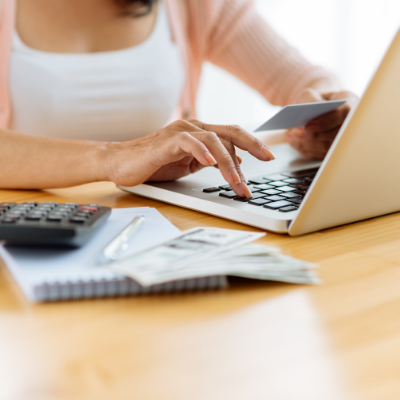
point(80, 26)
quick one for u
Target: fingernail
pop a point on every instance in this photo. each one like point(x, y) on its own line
point(210, 159)
point(268, 153)
point(235, 176)
point(239, 160)
point(246, 190)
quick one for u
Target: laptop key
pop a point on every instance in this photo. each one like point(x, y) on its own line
point(301, 191)
point(225, 187)
point(296, 201)
point(278, 204)
point(291, 195)
point(288, 209)
point(278, 183)
point(242, 199)
point(286, 189)
point(275, 177)
point(228, 195)
point(257, 181)
point(212, 190)
point(259, 202)
point(265, 186)
point(270, 192)
point(294, 180)
point(259, 195)
point(301, 173)
point(275, 198)
point(300, 186)
point(253, 189)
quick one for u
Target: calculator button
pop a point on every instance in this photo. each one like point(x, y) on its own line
point(78, 220)
point(78, 214)
point(84, 212)
point(8, 220)
point(62, 211)
point(57, 215)
point(92, 205)
point(33, 217)
point(14, 215)
point(23, 207)
point(7, 205)
point(89, 208)
point(54, 218)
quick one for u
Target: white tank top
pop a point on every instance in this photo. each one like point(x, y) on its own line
point(108, 96)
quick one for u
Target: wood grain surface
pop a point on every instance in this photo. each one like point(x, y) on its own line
point(254, 340)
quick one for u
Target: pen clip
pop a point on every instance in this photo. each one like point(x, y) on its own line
point(120, 243)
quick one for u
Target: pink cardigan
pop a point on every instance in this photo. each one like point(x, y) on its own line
point(229, 33)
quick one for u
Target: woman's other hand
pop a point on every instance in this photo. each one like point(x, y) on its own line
point(315, 139)
point(180, 149)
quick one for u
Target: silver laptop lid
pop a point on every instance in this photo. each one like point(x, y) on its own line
point(359, 177)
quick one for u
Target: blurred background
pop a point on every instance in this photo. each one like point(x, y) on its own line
point(348, 37)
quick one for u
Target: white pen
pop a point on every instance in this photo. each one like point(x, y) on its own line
point(121, 242)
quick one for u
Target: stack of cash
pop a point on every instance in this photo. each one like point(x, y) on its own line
point(203, 252)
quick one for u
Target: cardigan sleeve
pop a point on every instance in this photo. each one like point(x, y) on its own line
point(240, 41)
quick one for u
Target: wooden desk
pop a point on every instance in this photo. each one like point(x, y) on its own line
point(253, 341)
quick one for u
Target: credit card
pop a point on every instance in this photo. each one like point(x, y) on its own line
point(299, 115)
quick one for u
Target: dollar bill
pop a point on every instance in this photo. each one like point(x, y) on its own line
point(172, 259)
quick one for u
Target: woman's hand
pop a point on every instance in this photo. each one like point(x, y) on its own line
point(180, 149)
point(315, 139)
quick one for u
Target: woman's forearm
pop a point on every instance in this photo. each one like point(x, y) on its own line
point(30, 162)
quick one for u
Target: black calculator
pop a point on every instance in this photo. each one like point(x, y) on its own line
point(58, 224)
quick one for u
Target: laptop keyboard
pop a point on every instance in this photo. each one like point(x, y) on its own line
point(282, 192)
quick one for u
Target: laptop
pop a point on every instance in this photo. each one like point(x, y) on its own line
point(358, 179)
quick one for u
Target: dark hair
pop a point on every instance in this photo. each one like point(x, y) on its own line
point(136, 8)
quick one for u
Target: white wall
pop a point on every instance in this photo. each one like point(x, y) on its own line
point(348, 37)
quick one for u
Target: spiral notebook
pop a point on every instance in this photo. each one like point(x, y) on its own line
point(67, 274)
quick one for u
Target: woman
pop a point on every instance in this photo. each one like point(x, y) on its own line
point(87, 86)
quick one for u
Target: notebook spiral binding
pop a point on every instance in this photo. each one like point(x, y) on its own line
point(70, 290)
